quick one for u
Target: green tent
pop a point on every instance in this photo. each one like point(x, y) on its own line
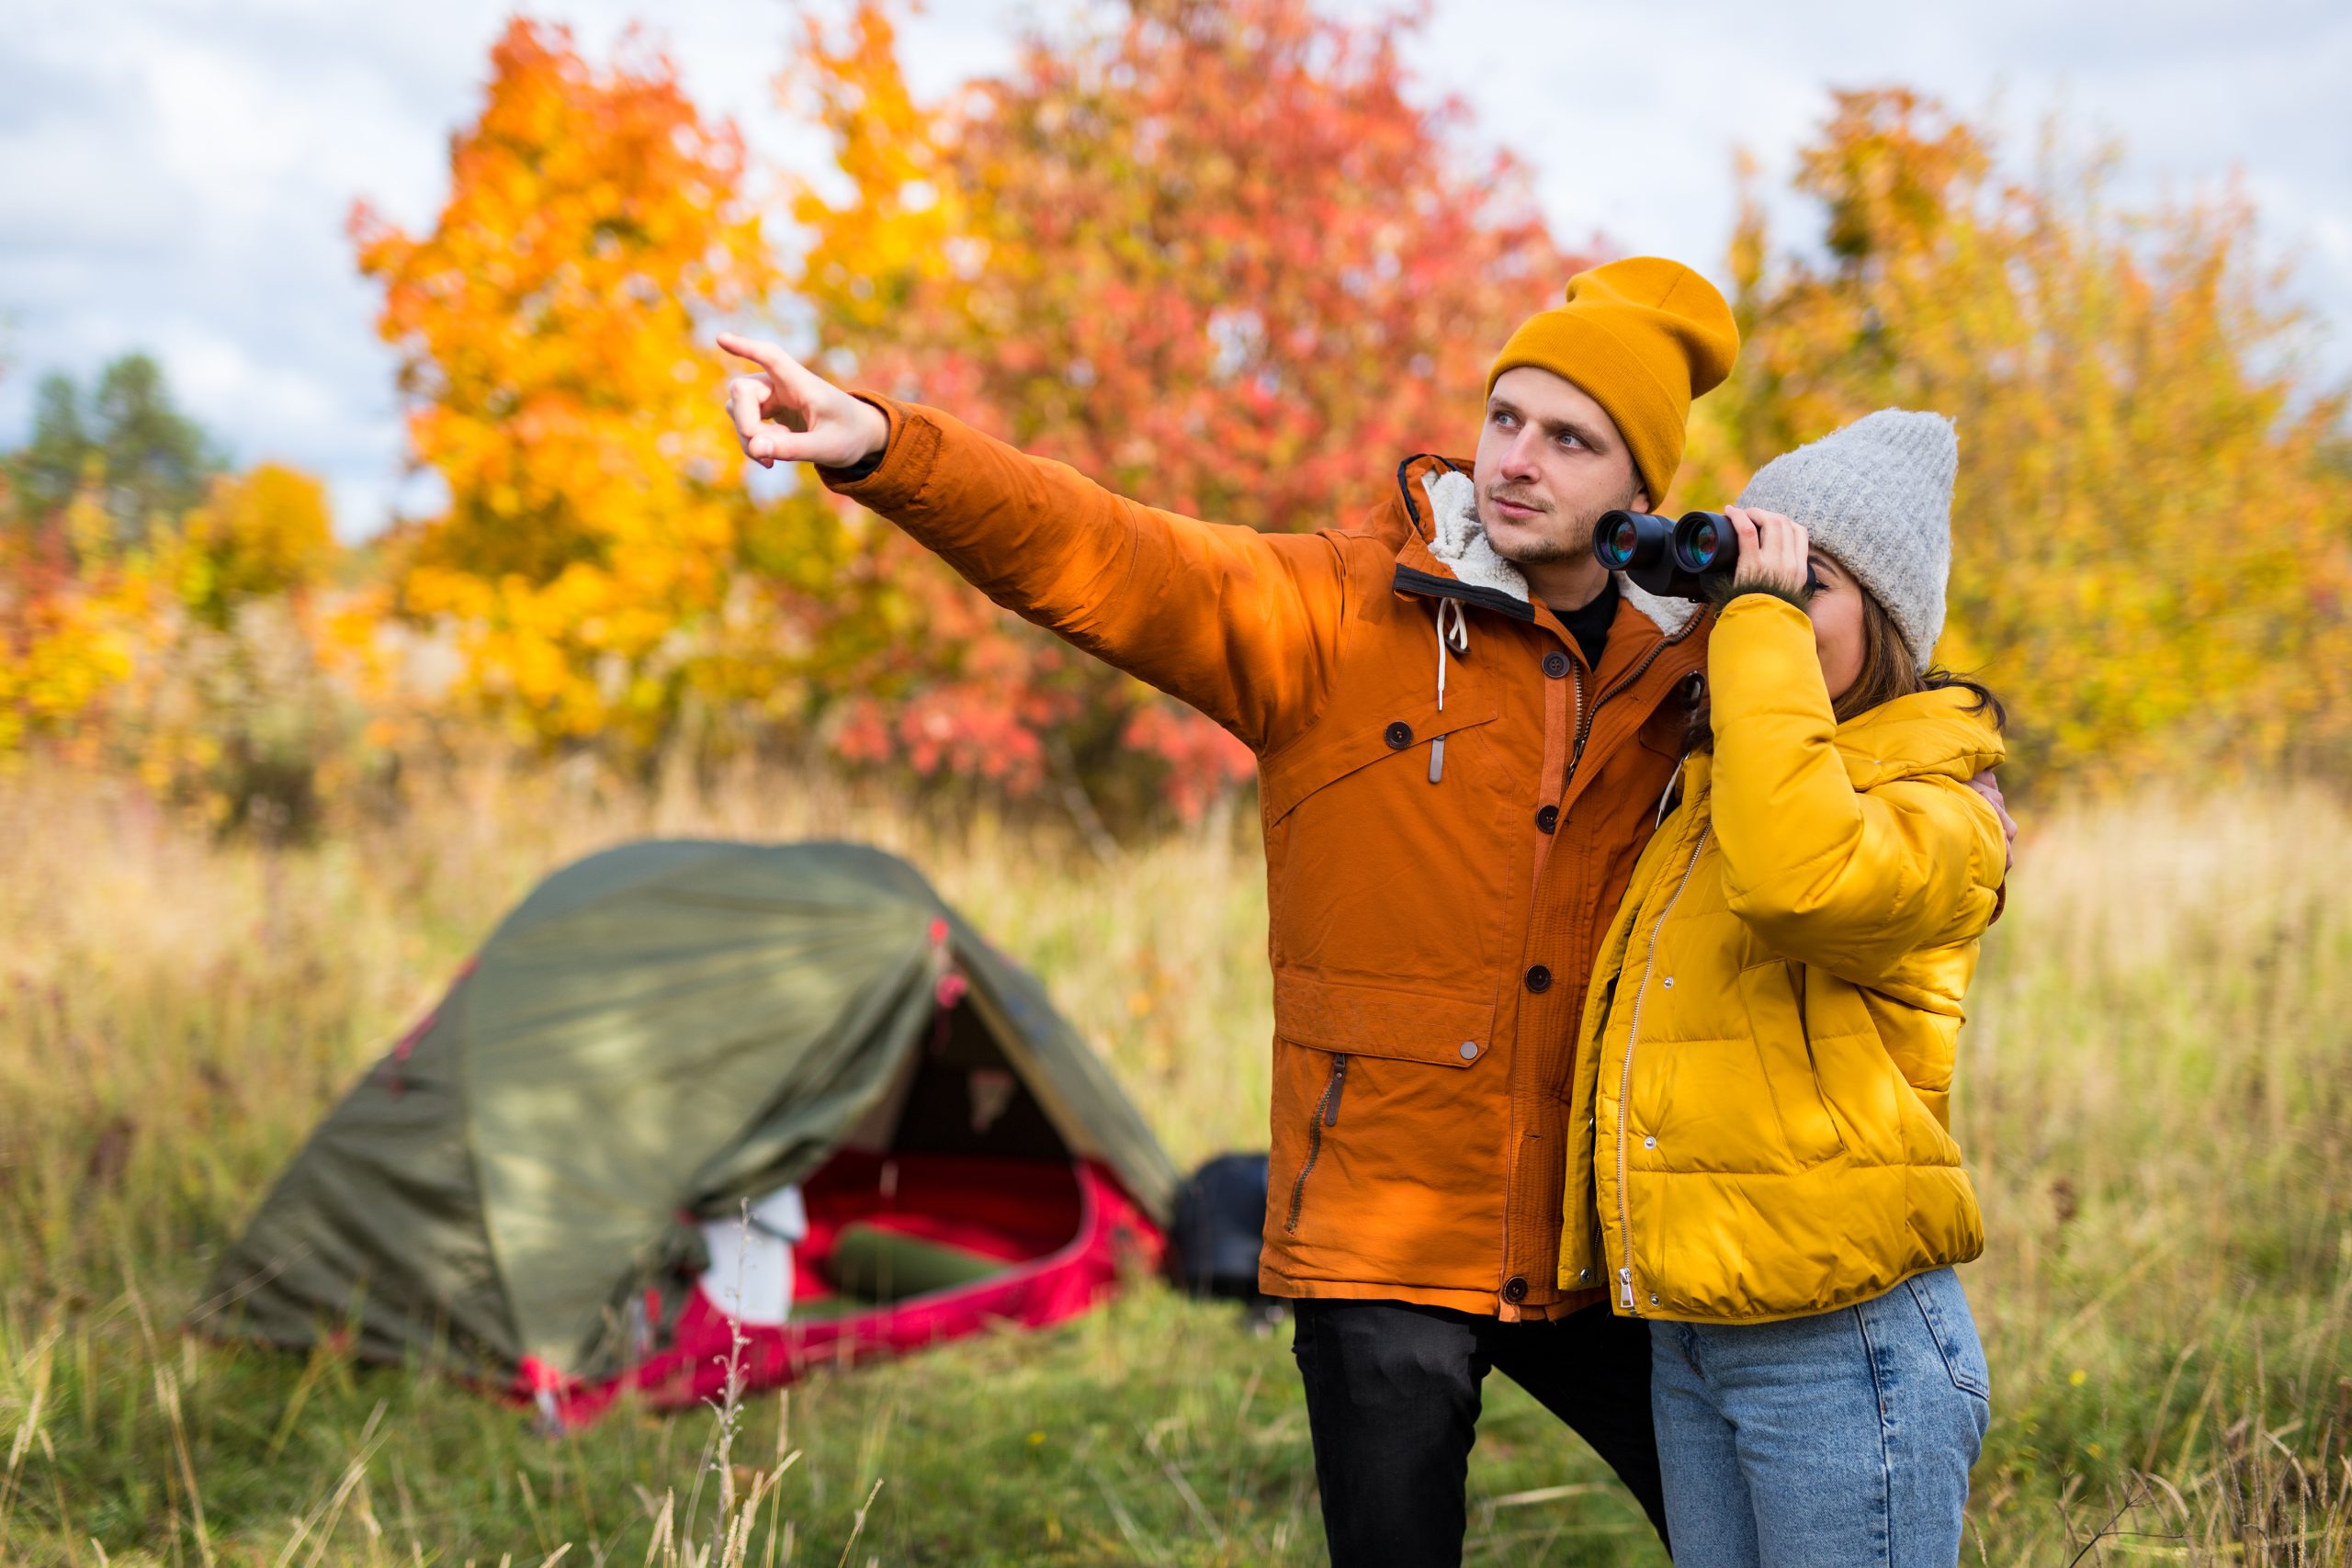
point(656, 1035)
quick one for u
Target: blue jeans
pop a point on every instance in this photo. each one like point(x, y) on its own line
point(1842, 1440)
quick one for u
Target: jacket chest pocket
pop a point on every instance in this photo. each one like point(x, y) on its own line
point(1376, 874)
point(1404, 738)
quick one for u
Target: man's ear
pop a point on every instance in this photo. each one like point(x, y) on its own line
point(1641, 502)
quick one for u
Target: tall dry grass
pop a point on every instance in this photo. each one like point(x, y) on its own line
point(2154, 1100)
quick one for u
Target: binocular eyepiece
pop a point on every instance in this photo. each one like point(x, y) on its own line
point(1672, 559)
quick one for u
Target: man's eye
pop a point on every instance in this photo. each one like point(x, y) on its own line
point(1569, 441)
point(1813, 583)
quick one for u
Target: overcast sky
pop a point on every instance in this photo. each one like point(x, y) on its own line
point(175, 175)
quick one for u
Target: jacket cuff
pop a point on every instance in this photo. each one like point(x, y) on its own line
point(1734, 595)
point(898, 476)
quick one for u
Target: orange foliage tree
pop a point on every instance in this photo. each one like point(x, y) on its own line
point(1212, 256)
point(604, 570)
point(2151, 526)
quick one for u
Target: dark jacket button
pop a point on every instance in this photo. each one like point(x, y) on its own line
point(1515, 1290)
point(1555, 665)
point(1538, 978)
point(1400, 735)
point(1547, 818)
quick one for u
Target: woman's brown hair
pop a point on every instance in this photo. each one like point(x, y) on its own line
point(1888, 672)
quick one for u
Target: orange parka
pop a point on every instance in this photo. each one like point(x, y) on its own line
point(1446, 838)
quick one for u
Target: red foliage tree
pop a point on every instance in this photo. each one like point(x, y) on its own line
point(1215, 256)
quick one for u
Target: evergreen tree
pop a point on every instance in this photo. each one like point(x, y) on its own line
point(49, 469)
point(158, 461)
point(151, 462)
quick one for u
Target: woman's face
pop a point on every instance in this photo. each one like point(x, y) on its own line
point(1835, 606)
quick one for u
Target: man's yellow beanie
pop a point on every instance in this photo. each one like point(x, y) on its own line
point(1642, 337)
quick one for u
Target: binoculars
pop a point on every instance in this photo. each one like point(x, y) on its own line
point(1674, 559)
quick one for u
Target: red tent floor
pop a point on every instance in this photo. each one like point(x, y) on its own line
point(1068, 1232)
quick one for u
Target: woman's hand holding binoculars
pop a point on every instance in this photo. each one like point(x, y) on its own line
point(1774, 554)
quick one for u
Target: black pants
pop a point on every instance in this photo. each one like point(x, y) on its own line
point(1392, 1400)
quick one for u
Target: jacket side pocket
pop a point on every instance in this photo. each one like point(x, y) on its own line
point(1325, 1114)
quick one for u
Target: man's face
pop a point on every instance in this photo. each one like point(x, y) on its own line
point(1550, 463)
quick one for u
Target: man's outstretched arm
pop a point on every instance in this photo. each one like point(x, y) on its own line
point(1240, 625)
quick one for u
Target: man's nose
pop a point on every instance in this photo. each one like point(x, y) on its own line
point(1519, 458)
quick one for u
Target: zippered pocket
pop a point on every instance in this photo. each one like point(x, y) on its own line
point(1327, 1114)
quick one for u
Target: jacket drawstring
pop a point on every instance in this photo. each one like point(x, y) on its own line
point(1458, 632)
point(1459, 635)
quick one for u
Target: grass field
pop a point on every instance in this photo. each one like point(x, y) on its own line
point(2156, 1098)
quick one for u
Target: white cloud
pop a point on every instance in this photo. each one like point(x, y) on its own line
point(1632, 113)
point(176, 174)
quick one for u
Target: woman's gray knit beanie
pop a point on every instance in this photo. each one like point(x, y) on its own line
point(1877, 495)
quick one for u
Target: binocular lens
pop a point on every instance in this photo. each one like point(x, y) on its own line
point(1628, 541)
point(1618, 541)
point(1702, 539)
point(1663, 557)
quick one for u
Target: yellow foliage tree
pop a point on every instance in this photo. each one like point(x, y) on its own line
point(74, 610)
point(183, 654)
point(903, 243)
point(260, 534)
point(591, 559)
point(2150, 532)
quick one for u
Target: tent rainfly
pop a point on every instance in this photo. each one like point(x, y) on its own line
point(691, 1090)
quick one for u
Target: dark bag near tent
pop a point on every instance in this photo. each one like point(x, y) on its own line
point(696, 1094)
point(1220, 1225)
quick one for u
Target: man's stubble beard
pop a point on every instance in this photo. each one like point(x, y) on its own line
point(1575, 542)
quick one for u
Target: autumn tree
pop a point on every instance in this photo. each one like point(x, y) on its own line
point(93, 494)
point(67, 638)
point(157, 612)
point(1214, 255)
point(599, 560)
point(2150, 529)
point(258, 535)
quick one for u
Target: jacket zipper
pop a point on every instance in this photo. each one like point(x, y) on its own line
point(1576, 674)
point(1327, 1114)
point(1625, 1081)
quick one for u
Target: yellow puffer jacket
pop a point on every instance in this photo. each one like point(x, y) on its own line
point(1765, 1063)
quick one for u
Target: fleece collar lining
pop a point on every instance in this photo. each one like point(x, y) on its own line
point(1459, 539)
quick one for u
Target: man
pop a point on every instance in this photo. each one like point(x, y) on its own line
point(1464, 726)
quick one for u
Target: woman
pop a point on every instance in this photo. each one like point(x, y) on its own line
point(1766, 1051)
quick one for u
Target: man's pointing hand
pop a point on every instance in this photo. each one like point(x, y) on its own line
point(789, 414)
